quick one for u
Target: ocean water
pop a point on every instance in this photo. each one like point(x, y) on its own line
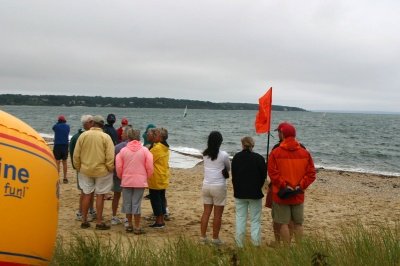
point(367, 143)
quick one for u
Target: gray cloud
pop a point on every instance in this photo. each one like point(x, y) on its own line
point(330, 55)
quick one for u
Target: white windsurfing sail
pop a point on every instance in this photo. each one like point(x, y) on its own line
point(185, 112)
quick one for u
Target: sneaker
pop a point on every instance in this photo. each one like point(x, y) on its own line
point(126, 223)
point(157, 226)
point(78, 216)
point(217, 242)
point(167, 217)
point(167, 211)
point(203, 240)
point(93, 214)
point(115, 220)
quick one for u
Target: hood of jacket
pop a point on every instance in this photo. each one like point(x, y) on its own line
point(134, 145)
point(290, 144)
point(149, 126)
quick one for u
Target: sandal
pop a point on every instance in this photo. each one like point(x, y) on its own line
point(102, 226)
point(129, 229)
point(65, 181)
point(139, 231)
point(85, 225)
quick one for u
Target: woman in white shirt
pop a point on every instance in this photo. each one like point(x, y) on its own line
point(214, 185)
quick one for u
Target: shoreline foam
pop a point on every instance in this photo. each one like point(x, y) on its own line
point(191, 153)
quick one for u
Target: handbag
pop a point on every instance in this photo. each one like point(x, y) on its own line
point(225, 173)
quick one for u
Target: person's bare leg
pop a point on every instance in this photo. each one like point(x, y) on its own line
point(99, 208)
point(129, 217)
point(137, 220)
point(58, 166)
point(115, 203)
point(91, 204)
point(64, 163)
point(285, 234)
point(298, 231)
point(81, 200)
point(205, 218)
point(160, 219)
point(218, 210)
point(276, 227)
point(291, 228)
point(85, 206)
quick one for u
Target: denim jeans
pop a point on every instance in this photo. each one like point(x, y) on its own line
point(243, 206)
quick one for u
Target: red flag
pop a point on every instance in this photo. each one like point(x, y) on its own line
point(263, 117)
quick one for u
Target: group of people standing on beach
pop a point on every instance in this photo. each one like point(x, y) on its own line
point(108, 159)
point(291, 170)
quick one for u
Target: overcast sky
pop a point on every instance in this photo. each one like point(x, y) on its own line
point(318, 55)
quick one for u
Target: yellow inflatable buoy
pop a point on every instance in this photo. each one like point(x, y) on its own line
point(28, 195)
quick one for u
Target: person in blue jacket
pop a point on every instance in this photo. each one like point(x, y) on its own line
point(60, 150)
point(109, 128)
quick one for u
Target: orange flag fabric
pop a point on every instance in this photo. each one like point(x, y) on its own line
point(263, 117)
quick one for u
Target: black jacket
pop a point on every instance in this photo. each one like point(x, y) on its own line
point(110, 130)
point(248, 175)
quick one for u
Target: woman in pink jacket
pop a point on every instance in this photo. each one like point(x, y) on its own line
point(134, 165)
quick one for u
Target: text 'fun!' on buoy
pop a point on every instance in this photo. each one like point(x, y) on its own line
point(28, 195)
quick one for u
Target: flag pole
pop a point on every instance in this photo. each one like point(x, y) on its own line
point(266, 160)
point(263, 116)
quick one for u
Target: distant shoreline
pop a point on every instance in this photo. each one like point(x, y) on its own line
point(128, 102)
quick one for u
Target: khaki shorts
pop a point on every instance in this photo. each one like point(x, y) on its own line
point(98, 185)
point(215, 195)
point(283, 214)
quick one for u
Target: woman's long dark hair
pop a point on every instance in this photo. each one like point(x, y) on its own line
point(213, 144)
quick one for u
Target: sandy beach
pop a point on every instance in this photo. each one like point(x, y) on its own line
point(335, 200)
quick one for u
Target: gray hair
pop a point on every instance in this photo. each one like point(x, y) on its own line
point(98, 120)
point(86, 118)
point(133, 134)
point(163, 133)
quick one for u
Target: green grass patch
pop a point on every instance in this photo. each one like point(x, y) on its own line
point(356, 246)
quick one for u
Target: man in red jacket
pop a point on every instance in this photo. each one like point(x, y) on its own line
point(291, 170)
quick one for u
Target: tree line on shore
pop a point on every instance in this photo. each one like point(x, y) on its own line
point(127, 102)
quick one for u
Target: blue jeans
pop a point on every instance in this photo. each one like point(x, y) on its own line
point(254, 206)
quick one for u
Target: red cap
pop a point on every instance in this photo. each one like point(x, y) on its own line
point(124, 121)
point(287, 129)
point(61, 118)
